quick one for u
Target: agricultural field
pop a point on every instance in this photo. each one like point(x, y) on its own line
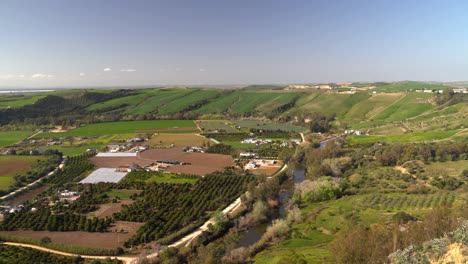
point(15, 165)
point(249, 101)
point(10, 137)
point(196, 163)
point(123, 127)
point(178, 140)
point(208, 126)
point(268, 126)
point(404, 138)
point(159, 177)
point(450, 168)
point(409, 86)
point(411, 105)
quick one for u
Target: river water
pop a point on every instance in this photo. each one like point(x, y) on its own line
point(253, 234)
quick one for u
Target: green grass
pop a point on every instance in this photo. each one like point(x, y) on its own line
point(181, 103)
point(409, 85)
point(330, 103)
point(411, 105)
point(221, 104)
point(153, 103)
point(221, 125)
point(251, 101)
point(410, 137)
point(171, 178)
point(372, 105)
point(128, 101)
point(450, 168)
point(10, 101)
point(272, 126)
point(121, 127)
point(10, 137)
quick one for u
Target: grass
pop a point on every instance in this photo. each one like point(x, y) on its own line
point(450, 168)
point(178, 140)
point(10, 137)
point(411, 105)
point(220, 125)
point(266, 125)
point(372, 105)
point(182, 103)
point(15, 165)
point(409, 85)
point(153, 103)
point(171, 178)
point(243, 101)
point(14, 101)
point(122, 127)
point(128, 101)
point(410, 137)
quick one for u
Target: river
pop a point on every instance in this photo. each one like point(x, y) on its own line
point(253, 234)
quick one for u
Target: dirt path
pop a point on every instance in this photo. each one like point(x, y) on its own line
point(129, 260)
point(123, 259)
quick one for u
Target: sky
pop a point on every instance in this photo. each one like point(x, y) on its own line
point(81, 43)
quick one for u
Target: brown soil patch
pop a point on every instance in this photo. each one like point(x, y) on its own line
point(12, 167)
point(106, 210)
point(200, 163)
point(27, 196)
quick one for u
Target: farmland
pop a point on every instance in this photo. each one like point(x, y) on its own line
point(178, 140)
point(15, 165)
point(410, 137)
point(408, 85)
point(11, 137)
point(122, 127)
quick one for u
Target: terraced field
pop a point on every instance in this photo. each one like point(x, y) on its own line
point(248, 101)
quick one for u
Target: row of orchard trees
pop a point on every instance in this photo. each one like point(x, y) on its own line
point(44, 219)
point(167, 208)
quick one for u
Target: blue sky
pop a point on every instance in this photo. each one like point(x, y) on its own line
point(125, 43)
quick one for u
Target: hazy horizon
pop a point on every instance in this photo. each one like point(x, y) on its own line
point(53, 43)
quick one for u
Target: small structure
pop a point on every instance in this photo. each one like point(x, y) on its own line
point(247, 154)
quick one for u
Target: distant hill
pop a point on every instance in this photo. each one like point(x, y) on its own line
point(409, 86)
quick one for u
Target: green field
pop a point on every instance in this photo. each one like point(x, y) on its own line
point(10, 137)
point(123, 127)
point(249, 101)
point(405, 138)
point(409, 85)
point(271, 126)
point(12, 101)
point(220, 125)
point(158, 177)
point(411, 105)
